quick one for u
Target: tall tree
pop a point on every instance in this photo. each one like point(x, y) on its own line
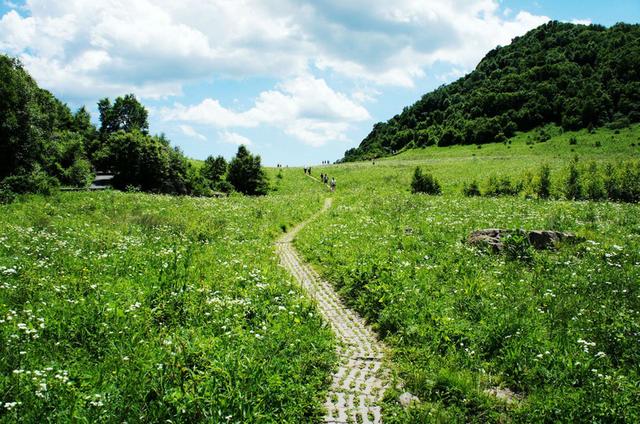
point(246, 174)
point(214, 169)
point(126, 114)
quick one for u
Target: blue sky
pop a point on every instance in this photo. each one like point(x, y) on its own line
point(299, 81)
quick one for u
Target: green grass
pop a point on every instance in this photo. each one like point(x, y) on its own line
point(457, 165)
point(560, 329)
point(130, 307)
point(134, 307)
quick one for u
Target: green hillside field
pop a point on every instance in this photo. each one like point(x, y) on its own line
point(126, 306)
point(558, 330)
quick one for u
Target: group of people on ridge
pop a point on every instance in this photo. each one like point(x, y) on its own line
point(325, 179)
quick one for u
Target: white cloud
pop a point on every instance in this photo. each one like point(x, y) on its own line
point(83, 50)
point(581, 21)
point(189, 131)
point(304, 107)
point(157, 46)
point(234, 138)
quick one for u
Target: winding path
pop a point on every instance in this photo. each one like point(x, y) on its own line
point(362, 377)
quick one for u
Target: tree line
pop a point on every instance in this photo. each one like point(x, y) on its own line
point(43, 145)
point(575, 76)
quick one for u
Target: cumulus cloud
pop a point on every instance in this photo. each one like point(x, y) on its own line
point(189, 131)
point(304, 107)
point(86, 49)
point(117, 45)
point(234, 138)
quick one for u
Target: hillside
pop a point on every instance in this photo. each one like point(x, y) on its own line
point(574, 76)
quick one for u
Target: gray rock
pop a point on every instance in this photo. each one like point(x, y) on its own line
point(504, 394)
point(406, 399)
point(493, 238)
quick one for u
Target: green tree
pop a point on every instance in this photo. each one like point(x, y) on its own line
point(214, 169)
point(126, 114)
point(246, 174)
point(147, 162)
point(20, 138)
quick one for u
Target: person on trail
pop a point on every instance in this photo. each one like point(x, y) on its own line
point(333, 184)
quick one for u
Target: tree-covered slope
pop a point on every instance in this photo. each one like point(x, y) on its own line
point(573, 75)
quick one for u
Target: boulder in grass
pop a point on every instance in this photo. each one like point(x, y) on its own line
point(493, 238)
point(407, 399)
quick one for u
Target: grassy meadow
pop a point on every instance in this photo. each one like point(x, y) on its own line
point(557, 330)
point(147, 308)
point(142, 308)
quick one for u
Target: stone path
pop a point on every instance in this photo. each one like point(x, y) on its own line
point(362, 377)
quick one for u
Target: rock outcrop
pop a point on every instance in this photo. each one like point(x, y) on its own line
point(494, 238)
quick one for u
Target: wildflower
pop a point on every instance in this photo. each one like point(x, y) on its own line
point(10, 405)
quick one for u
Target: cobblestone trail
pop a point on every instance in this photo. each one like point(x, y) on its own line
point(362, 377)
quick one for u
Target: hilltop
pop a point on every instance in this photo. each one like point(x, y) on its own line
point(574, 76)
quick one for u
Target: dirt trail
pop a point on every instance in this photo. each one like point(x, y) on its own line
point(362, 377)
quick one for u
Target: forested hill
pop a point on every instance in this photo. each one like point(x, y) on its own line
point(575, 76)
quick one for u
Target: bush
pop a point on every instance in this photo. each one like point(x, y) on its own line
point(595, 187)
point(79, 174)
point(6, 195)
point(223, 186)
point(35, 182)
point(573, 141)
point(502, 186)
point(424, 183)
point(629, 182)
point(573, 189)
point(471, 190)
point(543, 186)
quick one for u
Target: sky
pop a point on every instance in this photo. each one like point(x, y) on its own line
point(297, 81)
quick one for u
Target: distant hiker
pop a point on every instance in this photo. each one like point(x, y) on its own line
point(309, 170)
point(333, 184)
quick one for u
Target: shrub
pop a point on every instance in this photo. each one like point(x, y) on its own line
point(6, 195)
point(79, 174)
point(543, 186)
point(502, 186)
point(629, 178)
point(595, 187)
point(424, 183)
point(573, 189)
point(471, 190)
point(573, 141)
point(35, 182)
